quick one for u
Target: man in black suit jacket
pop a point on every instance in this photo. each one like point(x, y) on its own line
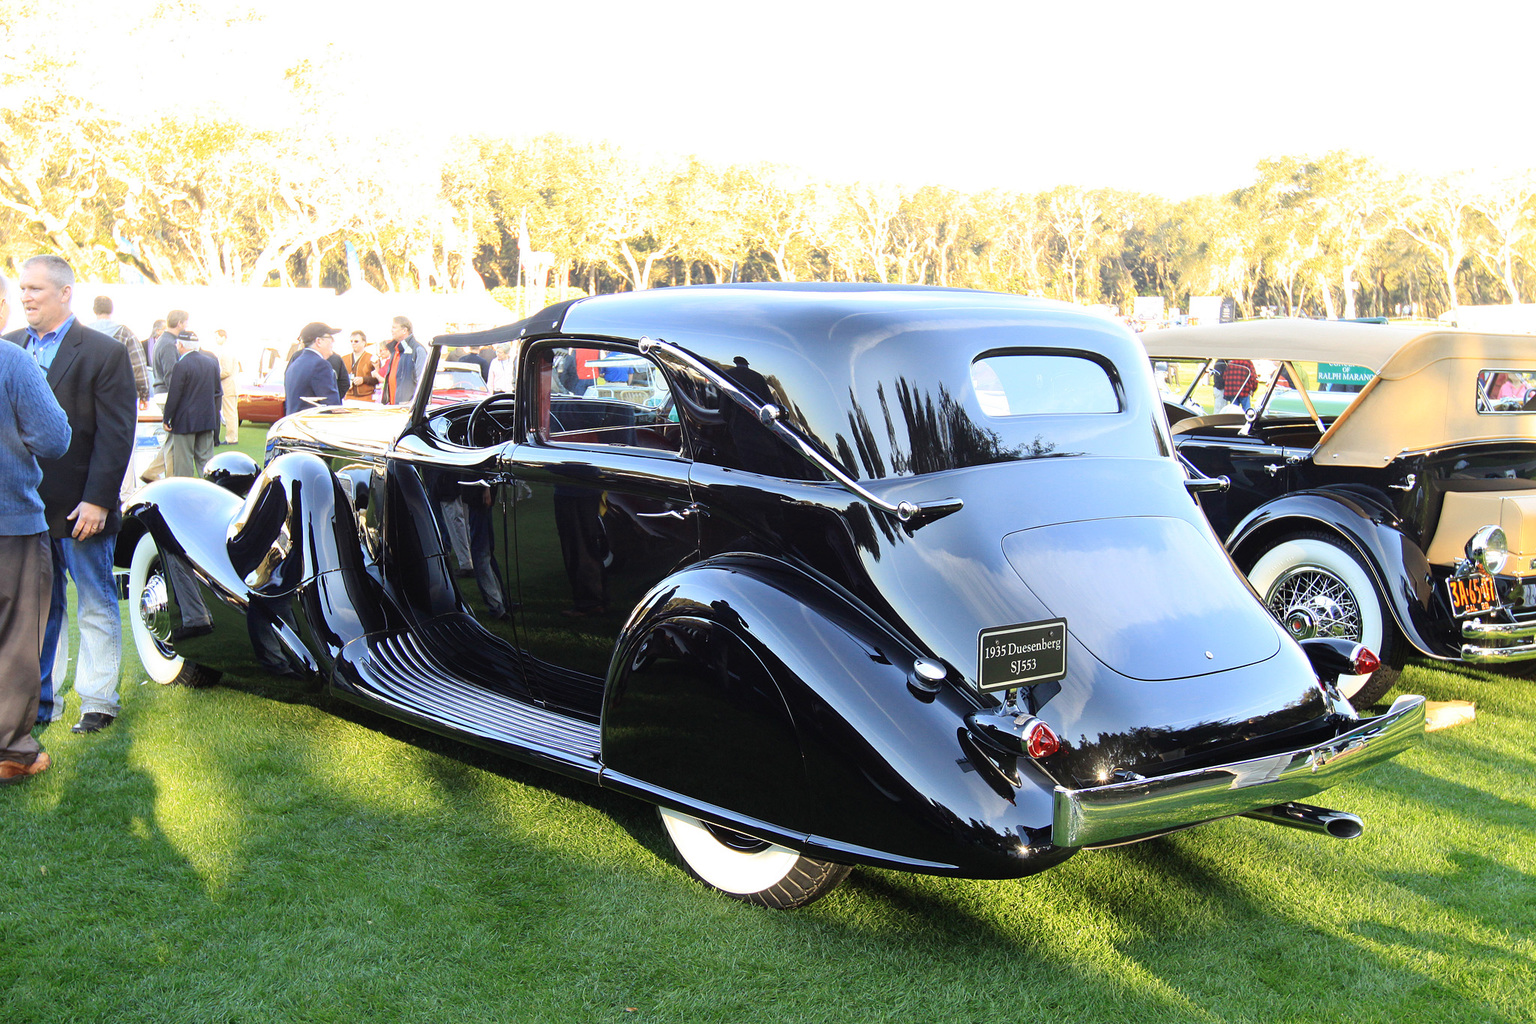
point(93, 381)
point(192, 406)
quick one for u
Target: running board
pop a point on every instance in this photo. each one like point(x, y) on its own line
point(398, 676)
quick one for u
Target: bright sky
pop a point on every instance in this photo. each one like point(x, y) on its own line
point(1180, 97)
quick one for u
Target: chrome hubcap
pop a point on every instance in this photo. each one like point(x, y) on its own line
point(1300, 624)
point(1314, 602)
point(154, 612)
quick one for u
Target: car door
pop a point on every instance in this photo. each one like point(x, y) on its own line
point(442, 551)
point(603, 511)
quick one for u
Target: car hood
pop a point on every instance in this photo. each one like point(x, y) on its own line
point(1146, 595)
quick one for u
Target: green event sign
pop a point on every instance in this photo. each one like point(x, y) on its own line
point(1343, 373)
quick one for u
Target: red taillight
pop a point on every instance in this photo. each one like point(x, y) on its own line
point(1040, 740)
point(1365, 661)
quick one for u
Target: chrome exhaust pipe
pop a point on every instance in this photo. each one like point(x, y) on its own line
point(1339, 824)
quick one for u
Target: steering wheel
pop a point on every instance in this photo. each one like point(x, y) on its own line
point(494, 410)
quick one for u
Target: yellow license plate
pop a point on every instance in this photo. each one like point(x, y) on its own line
point(1472, 594)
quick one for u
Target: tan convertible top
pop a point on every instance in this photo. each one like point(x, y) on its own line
point(1424, 394)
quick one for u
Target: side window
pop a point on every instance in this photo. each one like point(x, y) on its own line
point(1506, 391)
point(595, 396)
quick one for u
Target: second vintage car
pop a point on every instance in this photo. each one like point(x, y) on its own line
point(1383, 482)
point(862, 575)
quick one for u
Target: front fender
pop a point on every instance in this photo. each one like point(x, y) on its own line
point(286, 557)
point(186, 517)
point(749, 692)
point(1396, 564)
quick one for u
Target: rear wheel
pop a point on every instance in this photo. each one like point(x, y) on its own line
point(1317, 587)
point(149, 618)
point(749, 869)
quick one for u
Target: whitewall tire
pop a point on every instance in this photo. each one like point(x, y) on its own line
point(149, 620)
point(1317, 587)
point(749, 869)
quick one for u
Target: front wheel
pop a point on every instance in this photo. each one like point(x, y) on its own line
point(749, 869)
point(1316, 587)
point(149, 618)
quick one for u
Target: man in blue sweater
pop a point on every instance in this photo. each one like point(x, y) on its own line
point(310, 379)
point(32, 426)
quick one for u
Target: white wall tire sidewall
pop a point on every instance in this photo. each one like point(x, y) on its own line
point(156, 665)
point(1323, 554)
point(732, 871)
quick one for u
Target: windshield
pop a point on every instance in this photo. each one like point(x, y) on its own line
point(1237, 385)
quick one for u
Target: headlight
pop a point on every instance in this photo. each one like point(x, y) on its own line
point(1488, 549)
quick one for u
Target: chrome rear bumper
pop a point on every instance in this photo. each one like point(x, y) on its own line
point(1506, 632)
point(1122, 810)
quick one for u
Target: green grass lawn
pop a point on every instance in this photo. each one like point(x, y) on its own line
point(218, 856)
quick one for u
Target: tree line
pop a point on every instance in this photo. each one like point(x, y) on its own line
point(202, 200)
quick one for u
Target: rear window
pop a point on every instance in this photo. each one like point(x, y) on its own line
point(1506, 391)
point(1035, 384)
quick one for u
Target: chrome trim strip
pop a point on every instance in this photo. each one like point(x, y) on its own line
point(1477, 442)
point(1103, 814)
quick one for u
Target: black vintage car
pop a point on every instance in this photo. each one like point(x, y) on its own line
point(1383, 481)
point(831, 575)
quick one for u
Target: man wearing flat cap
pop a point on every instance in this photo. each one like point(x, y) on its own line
point(310, 379)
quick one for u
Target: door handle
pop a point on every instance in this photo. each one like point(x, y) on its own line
point(1406, 485)
point(686, 512)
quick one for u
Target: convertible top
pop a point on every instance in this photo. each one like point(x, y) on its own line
point(1424, 394)
point(1425, 397)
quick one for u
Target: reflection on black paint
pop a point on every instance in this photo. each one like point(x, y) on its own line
point(940, 435)
point(1214, 742)
point(479, 498)
point(584, 548)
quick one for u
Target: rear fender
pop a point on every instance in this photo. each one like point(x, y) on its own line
point(1396, 564)
point(752, 693)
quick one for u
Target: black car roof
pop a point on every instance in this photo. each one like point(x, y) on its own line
point(878, 374)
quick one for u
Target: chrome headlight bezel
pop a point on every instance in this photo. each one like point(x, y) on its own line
point(1489, 549)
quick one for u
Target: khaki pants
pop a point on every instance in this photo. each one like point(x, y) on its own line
point(229, 411)
point(189, 452)
point(161, 466)
point(24, 596)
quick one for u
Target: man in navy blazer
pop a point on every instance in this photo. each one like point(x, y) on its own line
point(192, 401)
point(92, 380)
point(310, 380)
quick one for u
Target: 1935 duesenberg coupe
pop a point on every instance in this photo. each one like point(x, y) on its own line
point(831, 575)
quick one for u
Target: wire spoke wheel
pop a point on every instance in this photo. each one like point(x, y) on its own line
point(1317, 587)
point(1311, 601)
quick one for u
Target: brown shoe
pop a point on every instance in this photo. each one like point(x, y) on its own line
point(15, 771)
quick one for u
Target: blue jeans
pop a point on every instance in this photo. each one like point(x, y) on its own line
point(89, 564)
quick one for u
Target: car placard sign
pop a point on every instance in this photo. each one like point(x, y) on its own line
point(1343, 373)
point(1021, 654)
